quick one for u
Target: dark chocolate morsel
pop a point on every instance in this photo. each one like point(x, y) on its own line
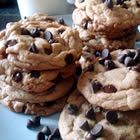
point(90, 137)
point(48, 51)
point(119, 2)
point(111, 116)
point(85, 126)
point(109, 89)
point(122, 57)
point(24, 31)
point(85, 24)
point(33, 48)
point(90, 114)
point(97, 130)
point(17, 76)
point(56, 133)
point(109, 64)
point(36, 120)
point(106, 53)
point(81, 1)
point(46, 130)
point(40, 136)
point(72, 109)
point(69, 58)
point(30, 124)
point(48, 35)
point(109, 3)
point(35, 74)
point(138, 3)
point(129, 61)
point(96, 86)
point(10, 43)
point(61, 21)
point(35, 32)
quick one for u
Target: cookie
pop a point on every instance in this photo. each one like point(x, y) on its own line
point(113, 19)
point(43, 109)
point(33, 81)
point(61, 89)
point(114, 79)
point(40, 45)
point(87, 122)
point(99, 43)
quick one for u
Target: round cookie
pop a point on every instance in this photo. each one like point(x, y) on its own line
point(113, 19)
point(33, 81)
point(87, 122)
point(99, 43)
point(40, 45)
point(61, 89)
point(114, 81)
point(43, 109)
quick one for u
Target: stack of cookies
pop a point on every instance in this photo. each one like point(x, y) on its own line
point(107, 105)
point(37, 64)
point(108, 24)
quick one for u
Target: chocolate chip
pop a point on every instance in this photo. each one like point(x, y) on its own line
point(111, 116)
point(60, 31)
point(121, 57)
point(119, 2)
point(101, 61)
point(36, 120)
point(109, 89)
point(131, 54)
point(136, 58)
point(89, 67)
point(17, 76)
point(137, 3)
point(98, 54)
point(48, 51)
point(106, 53)
point(24, 31)
point(33, 48)
point(103, 1)
point(124, 5)
point(61, 21)
point(96, 86)
point(52, 41)
point(56, 133)
point(48, 35)
point(35, 32)
point(69, 59)
point(90, 137)
point(72, 109)
point(109, 4)
point(81, 1)
point(90, 114)
point(78, 70)
point(97, 130)
point(30, 124)
point(85, 24)
point(40, 136)
point(46, 130)
point(129, 61)
point(35, 74)
point(109, 64)
point(85, 126)
point(10, 43)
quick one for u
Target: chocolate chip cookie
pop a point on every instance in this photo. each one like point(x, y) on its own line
point(40, 44)
point(114, 79)
point(87, 122)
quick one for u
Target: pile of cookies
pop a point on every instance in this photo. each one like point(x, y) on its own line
point(106, 105)
point(37, 64)
point(108, 24)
